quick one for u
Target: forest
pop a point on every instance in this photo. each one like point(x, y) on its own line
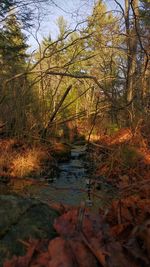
point(74, 133)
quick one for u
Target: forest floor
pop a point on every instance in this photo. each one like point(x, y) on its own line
point(119, 234)
point(23, 164)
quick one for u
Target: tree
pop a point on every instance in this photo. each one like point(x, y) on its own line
point(66, 54)
point(144, 13)
point(12, 44)
point(135, 58)
point(103, 45)
point(5, 6)
point(13, 60)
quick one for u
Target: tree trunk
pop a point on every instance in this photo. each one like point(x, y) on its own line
point(132, 42)
point(58, 106)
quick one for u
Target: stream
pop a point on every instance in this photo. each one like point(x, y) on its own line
point(71, 185)
point(72, 177)
point(30, 218)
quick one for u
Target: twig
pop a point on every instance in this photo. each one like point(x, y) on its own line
point(100, 255)
point(101, 146)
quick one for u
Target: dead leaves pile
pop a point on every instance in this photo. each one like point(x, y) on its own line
point(93, 244)
point(124, 159)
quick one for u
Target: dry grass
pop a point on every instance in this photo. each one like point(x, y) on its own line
point(124, 155)
point(18, 159)
point(28, 163)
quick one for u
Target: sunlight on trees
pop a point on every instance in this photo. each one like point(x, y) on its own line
point(105, 59)
point(75, 129)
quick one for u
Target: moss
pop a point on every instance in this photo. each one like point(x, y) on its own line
point(25, 219)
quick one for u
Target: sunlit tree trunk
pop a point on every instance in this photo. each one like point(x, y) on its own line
point(132, 49)
point(132, 43)
point(145, 83)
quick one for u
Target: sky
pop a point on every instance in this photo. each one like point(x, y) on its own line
point(72, 10)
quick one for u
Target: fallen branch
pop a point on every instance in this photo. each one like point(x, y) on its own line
point(100, 254)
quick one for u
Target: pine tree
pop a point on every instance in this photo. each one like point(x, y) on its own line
point(13, 61)
point(103, 45)
point(5, 5)
point(12, 45)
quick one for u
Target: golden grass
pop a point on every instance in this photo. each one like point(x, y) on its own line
point(18, 159)
point(93, 137)
point(28, 163)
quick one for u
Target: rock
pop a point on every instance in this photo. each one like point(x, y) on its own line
point(22, 219)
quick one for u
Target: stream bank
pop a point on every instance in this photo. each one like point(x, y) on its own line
point(61, 172)
point(74, 183)
point(30, 216)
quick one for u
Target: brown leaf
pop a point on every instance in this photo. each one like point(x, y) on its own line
point(119, 229)
point(116, 256)
point(83, 255)
point(60, 253)
point(136, 252)
point(97, 249)
point(66, 224)
point(41, 260)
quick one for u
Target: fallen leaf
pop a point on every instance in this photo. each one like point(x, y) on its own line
point(83, 255)
point(60, 253)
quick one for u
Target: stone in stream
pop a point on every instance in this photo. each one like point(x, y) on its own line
point(22, 218)
point(78, 152)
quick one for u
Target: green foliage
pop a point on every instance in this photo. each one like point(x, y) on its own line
point(16, 94)
point(145, 11)
point(62, 25)
point(12, 45)
point(23, 10)
point(97, 48)
point(75, 54)
point(65, 55)
point(103, 44)
point(5, 5)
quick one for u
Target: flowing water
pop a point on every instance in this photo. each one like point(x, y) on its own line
point(70, 187)
point(67, 187)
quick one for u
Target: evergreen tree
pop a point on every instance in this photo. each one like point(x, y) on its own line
point(13, 56)
point(103, 45)
point(5, 5)
point(12, 46)
point(63, 55)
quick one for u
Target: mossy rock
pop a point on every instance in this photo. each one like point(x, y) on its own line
point(22, 218)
